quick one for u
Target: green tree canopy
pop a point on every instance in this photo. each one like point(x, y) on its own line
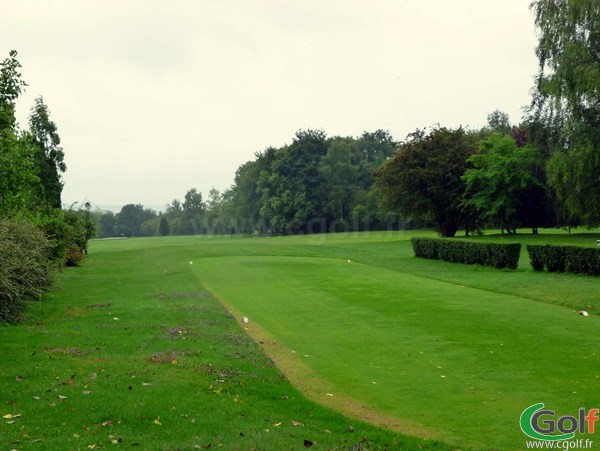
point(48, 156)
point(501, 173)
point(423, 180)
point(567, 99)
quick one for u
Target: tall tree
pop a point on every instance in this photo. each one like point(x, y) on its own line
point(17, 175)
point(423, 180)
point(339, 171)
point(499, 122)
point(106, 225)
point(292, 193)
point(129, 220)
point(247, 198)
point(11, 87)
point(193, 213)
point(163, 227)
point(501, 175)
point(567, 96)
point(49, 155)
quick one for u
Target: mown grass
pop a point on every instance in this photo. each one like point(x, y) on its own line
point(460, 362)
point(174, 369)
point(130, 350)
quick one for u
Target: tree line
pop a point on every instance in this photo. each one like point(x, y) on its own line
point(37, 236)
point(315, 184)
point(542, 172)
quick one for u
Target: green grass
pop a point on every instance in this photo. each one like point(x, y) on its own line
point(377, 333)
point(130, 350)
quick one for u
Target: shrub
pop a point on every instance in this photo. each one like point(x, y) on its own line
point(536, 256)
point(578, 260)
point(25, 268)
point(498, 255)
point(66, 232)
point(555, 258)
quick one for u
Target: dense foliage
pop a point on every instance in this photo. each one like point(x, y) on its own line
point(314, 184)
point(578, 260)
point(497, 255)
point(567, 100)
point(25, 267)
point(423, 179)
point(36, 235)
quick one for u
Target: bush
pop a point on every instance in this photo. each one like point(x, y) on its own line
point(66, 232)
point(536, 256)
point(578, 260)
point(25, 268)
point(497, 255)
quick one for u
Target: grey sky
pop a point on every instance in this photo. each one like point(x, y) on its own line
point(152, 98)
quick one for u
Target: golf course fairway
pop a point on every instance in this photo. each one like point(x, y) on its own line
point(447, 361)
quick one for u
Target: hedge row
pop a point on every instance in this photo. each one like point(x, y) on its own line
point(579, 260)
point(496, 255)
point(26, 271)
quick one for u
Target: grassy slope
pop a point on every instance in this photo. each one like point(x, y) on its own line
point(130, 350)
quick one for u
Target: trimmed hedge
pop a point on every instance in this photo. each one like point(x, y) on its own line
point(497, 255)
point(573, 259)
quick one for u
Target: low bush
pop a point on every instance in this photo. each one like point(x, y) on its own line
point(497, 255)
point(578, 260)
point(68, 236)
point(536, 256)
point(25, 268)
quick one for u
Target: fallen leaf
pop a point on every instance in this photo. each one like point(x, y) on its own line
point(19, 378)
point(157, 422)
point(146, 384)
point(8, 416)
point(277, 424)
point(61, 397)
point(296, 423)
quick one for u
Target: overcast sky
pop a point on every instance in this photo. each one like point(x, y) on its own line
point(152, 98)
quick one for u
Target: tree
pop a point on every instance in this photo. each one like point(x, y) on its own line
point(106, 225)
point(11, 87)
point(292, 192)
point(567, 96)
point(17, 176)
point(193, 213)
point(501, 174)
point(163, 228)
point(422, 180)
point(128, 222)
point(498, 121)
point(49, 156)
point(247, 198)
point(339, 171)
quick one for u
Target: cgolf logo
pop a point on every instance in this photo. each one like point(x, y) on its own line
point(541, 424)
